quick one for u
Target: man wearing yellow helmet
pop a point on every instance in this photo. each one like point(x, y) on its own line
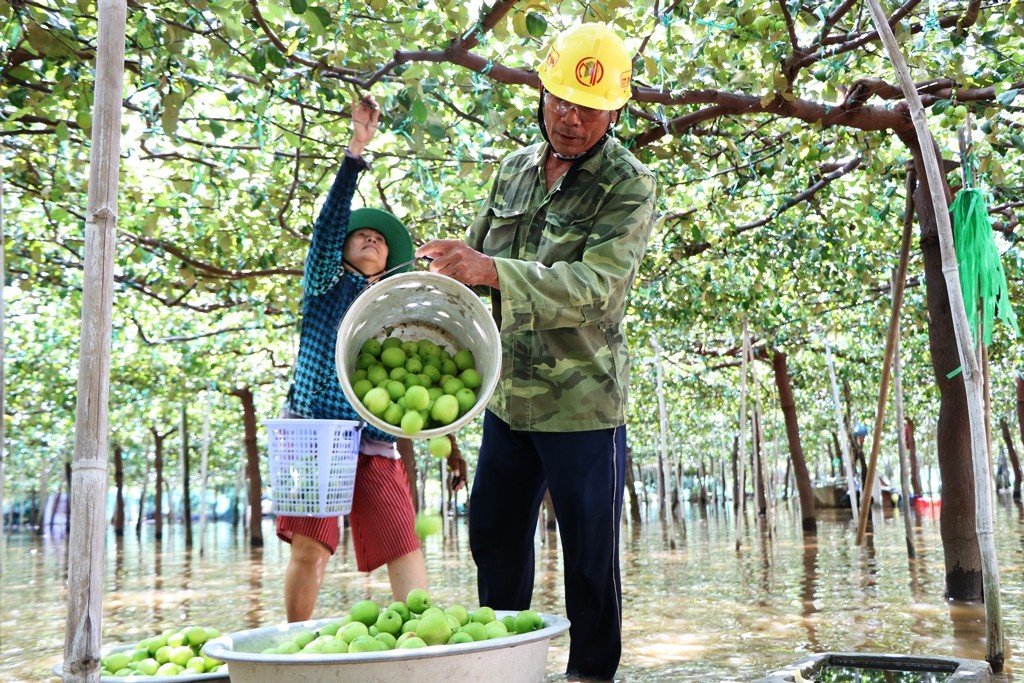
point(558, 242)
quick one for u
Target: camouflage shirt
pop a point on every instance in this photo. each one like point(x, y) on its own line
point(566, 259)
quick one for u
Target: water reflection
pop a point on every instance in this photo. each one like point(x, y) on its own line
point(697, 606)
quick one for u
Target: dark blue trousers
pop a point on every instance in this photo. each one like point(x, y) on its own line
point(585, 472)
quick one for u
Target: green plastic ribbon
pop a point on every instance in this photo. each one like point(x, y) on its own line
point(982, 279)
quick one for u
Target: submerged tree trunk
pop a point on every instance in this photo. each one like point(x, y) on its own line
point(957, 519)
point(118, 519)
point(735, 458)
point(1020, 426)
point(142, 502)
point(252, 459)
point(158, 493)
point(1011, 451)
point(634, 503)
point(915, 470)
point(796, 451)
point(186, 503)
point(757, 465)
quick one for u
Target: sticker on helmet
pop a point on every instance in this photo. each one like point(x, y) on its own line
point(552, 58)
point(589, 71)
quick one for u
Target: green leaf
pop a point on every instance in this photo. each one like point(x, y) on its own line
point(258, 61)
point(1006, 98)
point(322, 16)
point(17, 97)
point(419, 111)
point(299, 6)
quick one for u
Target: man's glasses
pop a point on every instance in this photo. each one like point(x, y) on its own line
point(562, 108)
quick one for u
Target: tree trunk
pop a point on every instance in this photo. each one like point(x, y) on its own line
point(550, 520)
point(634, 503)
point(140, 520)
point(158, 492)
point(186, 503)
point(735, 473)
point(1020, 426)
point(252, 459)
point(702, 492)
point(957, 518)
point(118, 520)
point(38, 516)
point(1011, 451)
point(796, 451)
point(56, 502)
point(915, 470)
point(643, 489)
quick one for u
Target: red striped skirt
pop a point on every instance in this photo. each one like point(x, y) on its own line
point(382, 518)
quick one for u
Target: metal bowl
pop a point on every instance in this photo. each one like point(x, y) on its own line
point(513, 659)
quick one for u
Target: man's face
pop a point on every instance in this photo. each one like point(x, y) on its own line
point(573, 129)
point(367, 250)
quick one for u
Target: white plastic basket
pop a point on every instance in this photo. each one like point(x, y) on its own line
point(312, 466)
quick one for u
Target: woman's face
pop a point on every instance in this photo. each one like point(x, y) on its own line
point(367, 250)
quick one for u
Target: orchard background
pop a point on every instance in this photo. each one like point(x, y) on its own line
point(786, 160)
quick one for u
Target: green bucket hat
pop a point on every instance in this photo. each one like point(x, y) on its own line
point(396, 235)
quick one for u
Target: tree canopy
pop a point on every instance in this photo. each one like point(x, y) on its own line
point(775, 129)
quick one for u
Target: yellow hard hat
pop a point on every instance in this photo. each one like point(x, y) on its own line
point(588, 65)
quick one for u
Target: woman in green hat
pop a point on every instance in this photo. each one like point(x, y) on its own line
point(349, 250)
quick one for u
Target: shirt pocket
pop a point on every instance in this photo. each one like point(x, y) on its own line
point(565, 237)
point(503, 224)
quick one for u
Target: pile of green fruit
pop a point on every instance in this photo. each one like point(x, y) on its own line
point(411, 624)
point(415, 385)
point(172, 653)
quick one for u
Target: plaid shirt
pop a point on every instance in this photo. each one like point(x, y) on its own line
point(566, 260)
point(328, 290)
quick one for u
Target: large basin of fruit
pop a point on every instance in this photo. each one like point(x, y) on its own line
point(513, 659)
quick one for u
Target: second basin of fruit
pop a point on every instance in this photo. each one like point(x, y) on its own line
point(520, 658)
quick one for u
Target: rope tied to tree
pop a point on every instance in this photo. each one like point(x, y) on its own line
point(982, 278)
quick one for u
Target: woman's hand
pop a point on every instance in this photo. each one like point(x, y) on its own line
point(365, 121)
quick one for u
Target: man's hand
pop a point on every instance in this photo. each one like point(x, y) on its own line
point(459, 262)
point(365, 121)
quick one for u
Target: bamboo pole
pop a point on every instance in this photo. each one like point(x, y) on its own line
point(901, 436)
point(663, 464)
point(762, 461)
point(741, 453)
point(844, 444)
point(89, 481)
point(203, 472)
point(968, 360)
point(899, 285)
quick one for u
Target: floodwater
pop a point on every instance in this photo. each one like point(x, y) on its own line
point(696, 608)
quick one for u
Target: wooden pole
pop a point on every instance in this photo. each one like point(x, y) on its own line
point(899, 284)
point(89, 467)
point(968, 360)
point(741, 493)
point(203, 472)
point(901, 436)
point(851, 482)
point(663, 464)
